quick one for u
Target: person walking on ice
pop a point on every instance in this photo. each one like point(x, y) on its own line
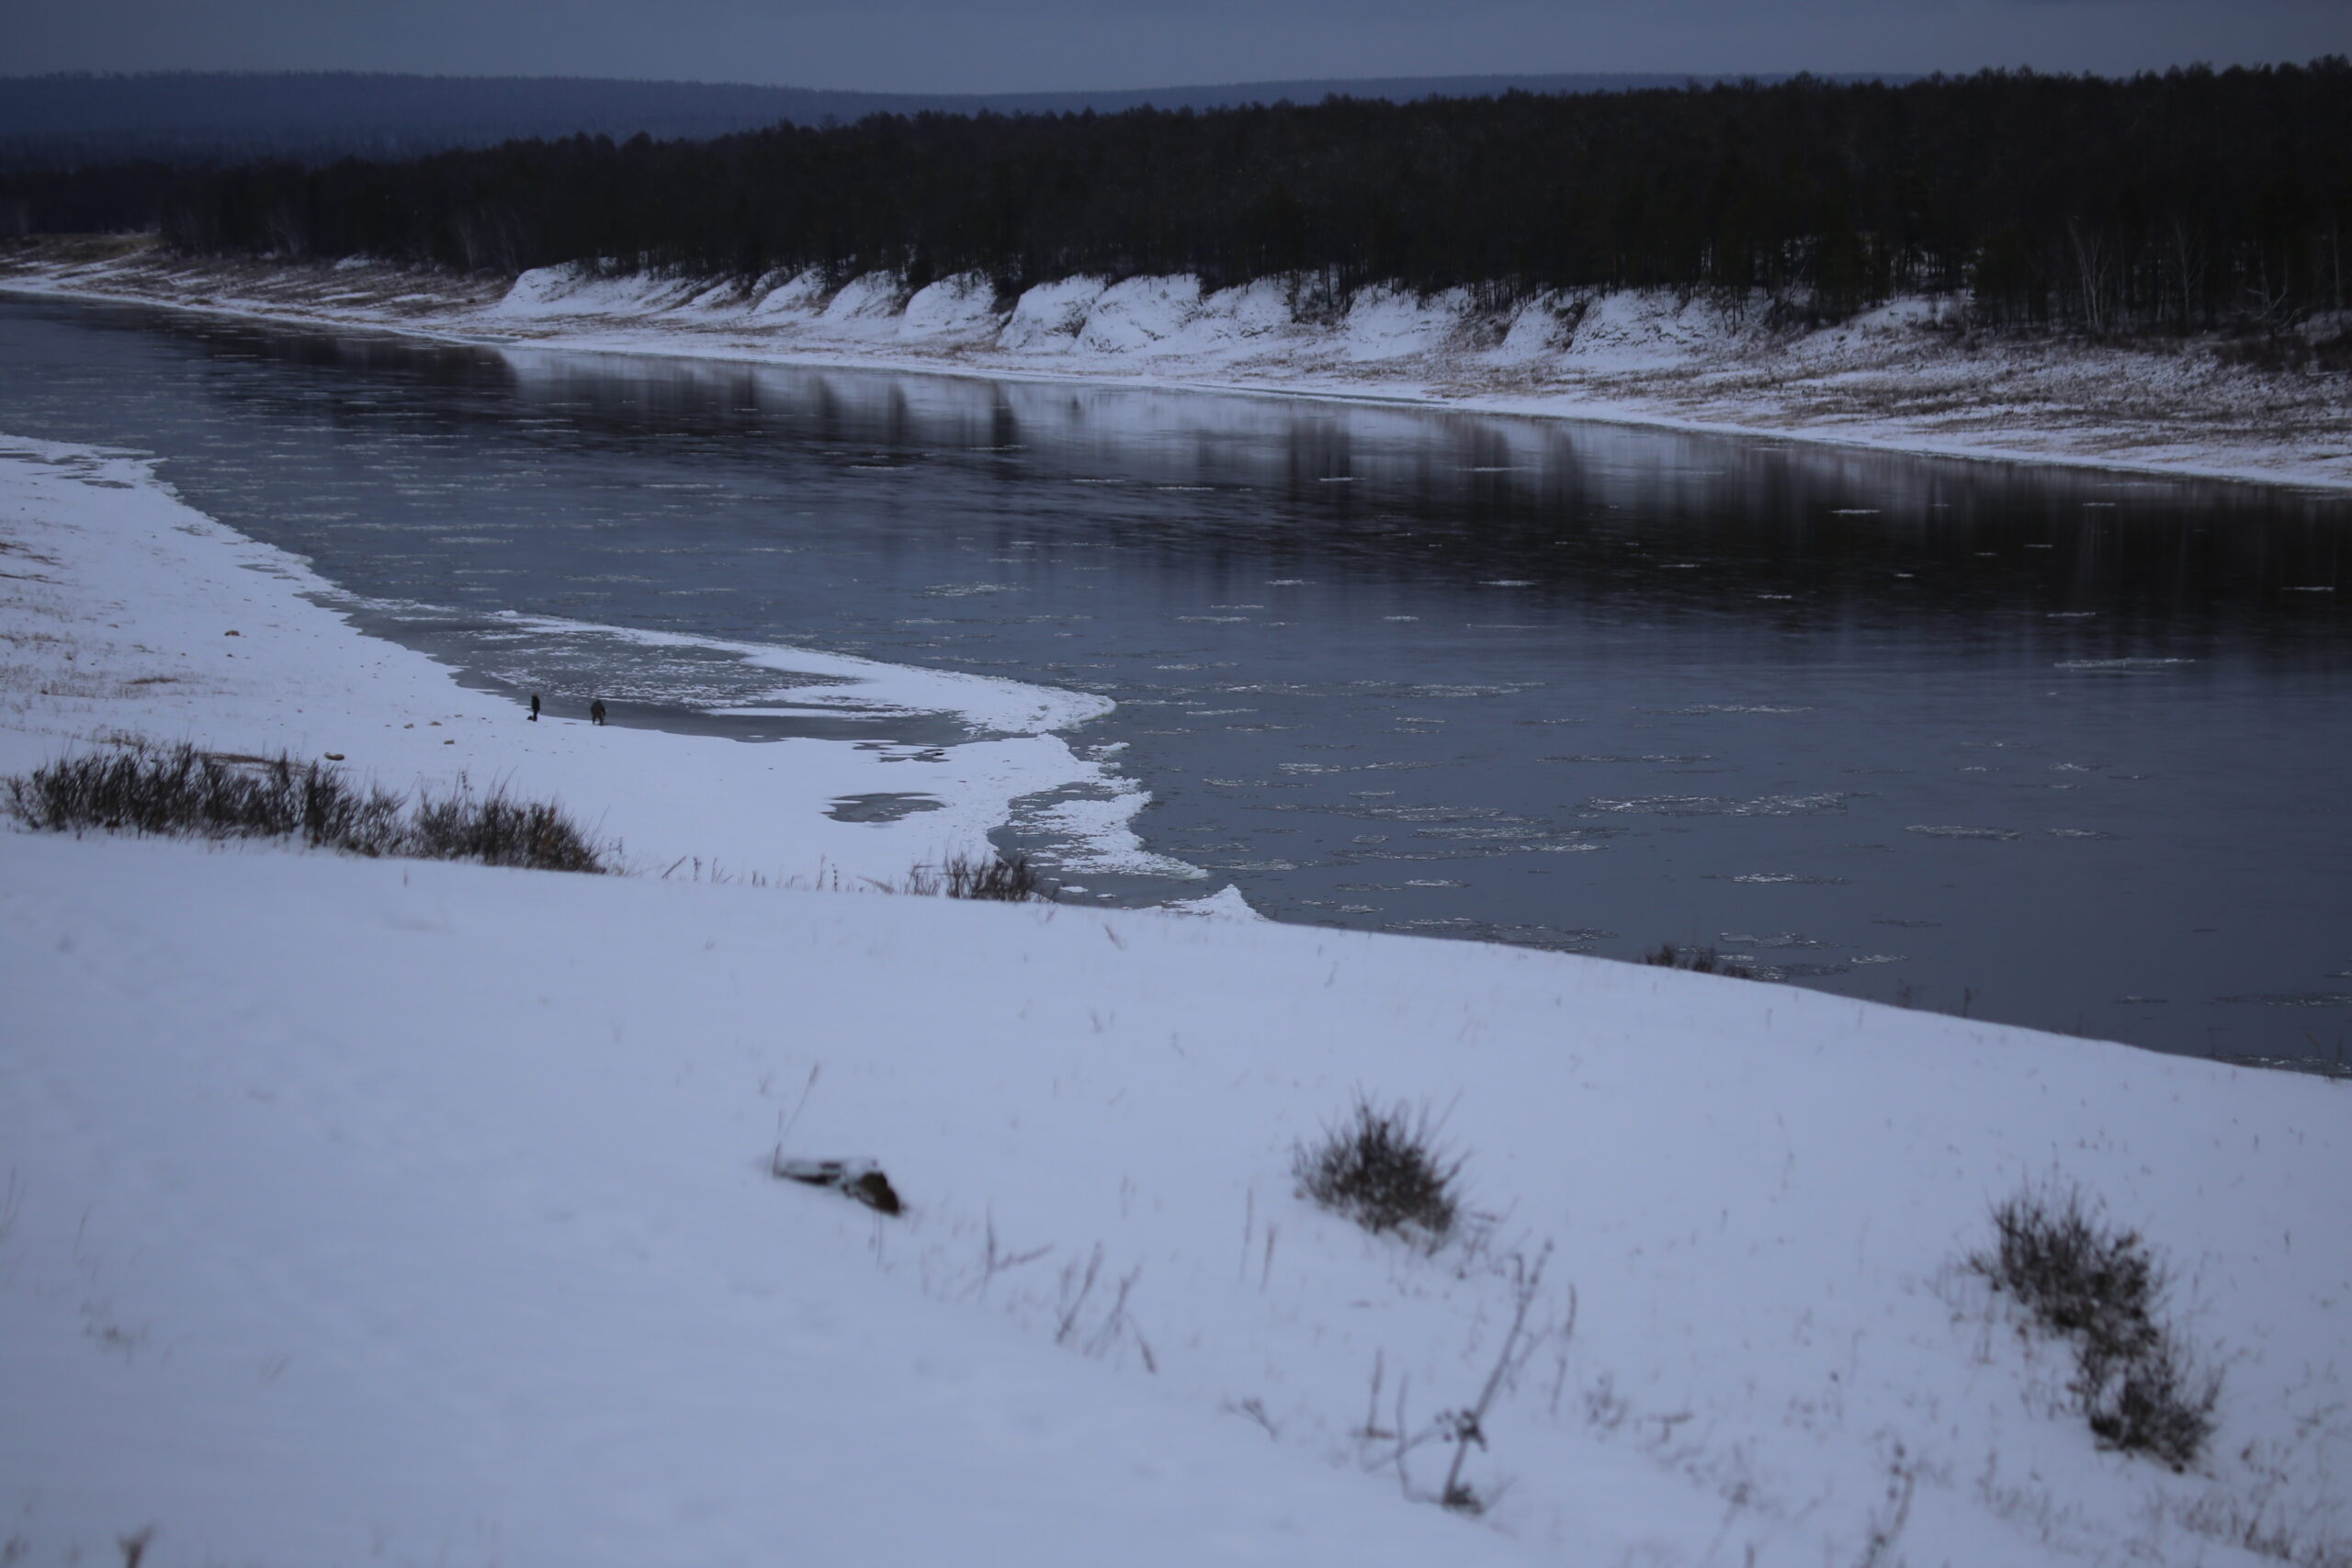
point(596, 711)
point(535, 708)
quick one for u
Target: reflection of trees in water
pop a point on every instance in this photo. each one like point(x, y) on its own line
point(1584, 514)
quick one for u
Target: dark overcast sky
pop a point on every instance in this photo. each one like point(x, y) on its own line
point(1016, 45)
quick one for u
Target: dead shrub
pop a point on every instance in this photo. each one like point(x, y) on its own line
point(2101, 1286)
point(1696, 961)
point(183, 791)
point(1002, 879)
point(1383, 1167)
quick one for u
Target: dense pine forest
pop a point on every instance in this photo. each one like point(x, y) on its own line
point(2177, 202)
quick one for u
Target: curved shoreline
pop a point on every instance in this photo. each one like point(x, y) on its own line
point(122, 631)
point(1755, 391)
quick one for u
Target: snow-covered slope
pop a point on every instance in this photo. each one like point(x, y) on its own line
point(1911, 375)
point(397, 1211)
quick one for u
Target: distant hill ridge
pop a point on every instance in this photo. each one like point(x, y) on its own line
point(203, 116)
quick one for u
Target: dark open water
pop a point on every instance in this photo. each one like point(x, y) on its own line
point(2059, 748)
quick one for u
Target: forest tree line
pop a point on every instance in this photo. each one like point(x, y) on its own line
point(2180, 201)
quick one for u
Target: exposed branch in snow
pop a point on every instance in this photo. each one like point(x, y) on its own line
point(1255, 1410)
point(1887, 1521)
point(1468, 1427)
point(784, 1124)
point(1078, 1283)
point(1372, 1430)
point(995, 1260)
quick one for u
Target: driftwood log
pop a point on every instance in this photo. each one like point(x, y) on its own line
point(859, 1178)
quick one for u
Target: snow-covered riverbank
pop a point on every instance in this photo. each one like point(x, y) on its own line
point(1907, 376)
point(415, 1212)
point(141, 616)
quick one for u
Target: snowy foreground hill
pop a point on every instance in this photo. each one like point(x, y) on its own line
point(398, 1212)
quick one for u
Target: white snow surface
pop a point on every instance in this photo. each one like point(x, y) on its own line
point(1389, 323)
point(1227, 903)
point(379, 1210)
point(1048, 318)
point(871, 304)
point(1139, 314)
point(964, 305)
point(799, 294)
point(555, 291)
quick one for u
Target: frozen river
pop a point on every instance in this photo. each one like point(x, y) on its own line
point(2051, 747)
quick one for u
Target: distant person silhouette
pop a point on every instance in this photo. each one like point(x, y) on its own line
point(596, 711)
point(535, 708)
